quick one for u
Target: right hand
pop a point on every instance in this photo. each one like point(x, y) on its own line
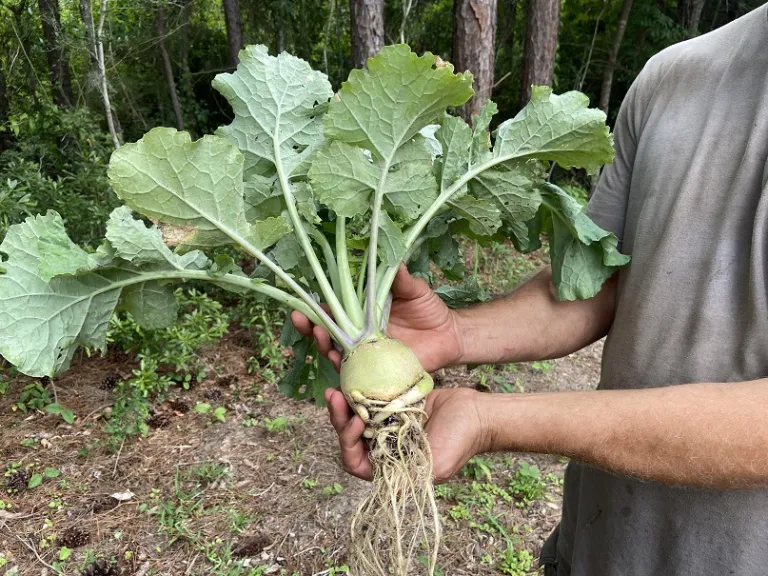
point(418, 318)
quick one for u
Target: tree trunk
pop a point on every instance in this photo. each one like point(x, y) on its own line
point(18, 10)
point(621, 26)
point(58, 64)
point(367, 18)
point(167, 68)
point(690, 15)
point(5, 112)
point(541, 29)
point(234, 30)
point(474, 36)
point(280, 30)
point(186, 8)
point(90, 35)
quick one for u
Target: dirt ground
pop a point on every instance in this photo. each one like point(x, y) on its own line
point(201, 496)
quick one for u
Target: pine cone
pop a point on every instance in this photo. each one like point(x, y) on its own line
point(159, 420)
point(213, 395)
point(73, 537)
point(179, 405)
point(101, 567)
point(17, 481)
point(110, 382)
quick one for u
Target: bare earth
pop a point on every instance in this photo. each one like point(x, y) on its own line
point(230, 497)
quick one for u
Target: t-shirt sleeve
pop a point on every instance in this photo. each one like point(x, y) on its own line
point(608, 205)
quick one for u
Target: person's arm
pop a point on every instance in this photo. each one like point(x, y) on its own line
point(704, 435)
point(529, 324)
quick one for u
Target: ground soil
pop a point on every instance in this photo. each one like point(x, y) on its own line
point(289, 522)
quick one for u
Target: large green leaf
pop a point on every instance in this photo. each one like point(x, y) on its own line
point(399, 94)
point(194, 186)
point(42, 241)
point(152, 304)
point(560, 129)
point(134, 242)
point(275, 100)
point(583, 255)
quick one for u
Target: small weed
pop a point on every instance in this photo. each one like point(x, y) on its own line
point(445, 491)
point(279, 424)
point(515, 562)
point(309, 482)
point(333, 489)
point(543, 366)
point(206, 473)
point(478, 469)
point(527, 484)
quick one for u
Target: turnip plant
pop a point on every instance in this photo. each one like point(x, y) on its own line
point(328, 194)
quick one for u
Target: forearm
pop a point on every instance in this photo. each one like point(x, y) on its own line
point(705, 435)
point(529, 324)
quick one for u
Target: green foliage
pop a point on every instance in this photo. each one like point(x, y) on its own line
point(296, 181)
point(527, 484)
point(58, 163)
point(515, 562)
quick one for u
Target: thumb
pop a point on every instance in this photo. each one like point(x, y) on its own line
point(407, 287)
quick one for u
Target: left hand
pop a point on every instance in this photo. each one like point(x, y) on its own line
point(454, 428)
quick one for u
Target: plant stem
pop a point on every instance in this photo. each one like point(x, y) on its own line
point(385, 282)
point(329, 295)
point(371, 325)
point(361, 277)
point(330, 260)
point(348, 295)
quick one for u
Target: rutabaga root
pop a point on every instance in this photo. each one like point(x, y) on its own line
point(396, 529)
point(397, 524)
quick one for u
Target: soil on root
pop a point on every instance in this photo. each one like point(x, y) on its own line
point(200, 496)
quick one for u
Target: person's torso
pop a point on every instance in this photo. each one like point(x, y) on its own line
point(692, 306)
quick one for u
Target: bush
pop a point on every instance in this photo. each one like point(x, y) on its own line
point(58, 162)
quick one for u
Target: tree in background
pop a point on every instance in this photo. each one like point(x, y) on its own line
point(541, 30)
point(234, 29)
point(367, 27)
point(168, 67)
point(5, 110)
point(690, 16)
point(474, 37)
point(621, 26)
point(58, 64)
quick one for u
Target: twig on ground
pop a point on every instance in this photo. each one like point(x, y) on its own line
point(32, 549)
point(117, 459)
point(143, 569)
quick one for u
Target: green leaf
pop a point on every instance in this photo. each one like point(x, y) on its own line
point(220, 414)
point(513, 191)
point(134, 242)
point(287, 253)
point(560, 129)
point(399, 94)
point(262, 198)
point(202, 408)
point(343, 178)
point(222, 264)
point(52, 473)
point(35, 481)
point(152, 304)
point(64, 553)
point(583, 255)
point(197, 187)
point(308, 379)
point(66, 414)
point(481, 138)
point(410, 188)
point(484, 217)
point(42, 243)
point(455, 138)
point(265, 233)
point(391, 242)
point(275, 100)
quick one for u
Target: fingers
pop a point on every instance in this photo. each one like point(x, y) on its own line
point(407, 287)
point(354, 453)
point(302, 323)
point(321, 336)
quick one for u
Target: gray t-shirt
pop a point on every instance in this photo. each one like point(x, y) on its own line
point(688, 197)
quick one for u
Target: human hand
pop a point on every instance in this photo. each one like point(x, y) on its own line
point(418, 318)
point(454, 428)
